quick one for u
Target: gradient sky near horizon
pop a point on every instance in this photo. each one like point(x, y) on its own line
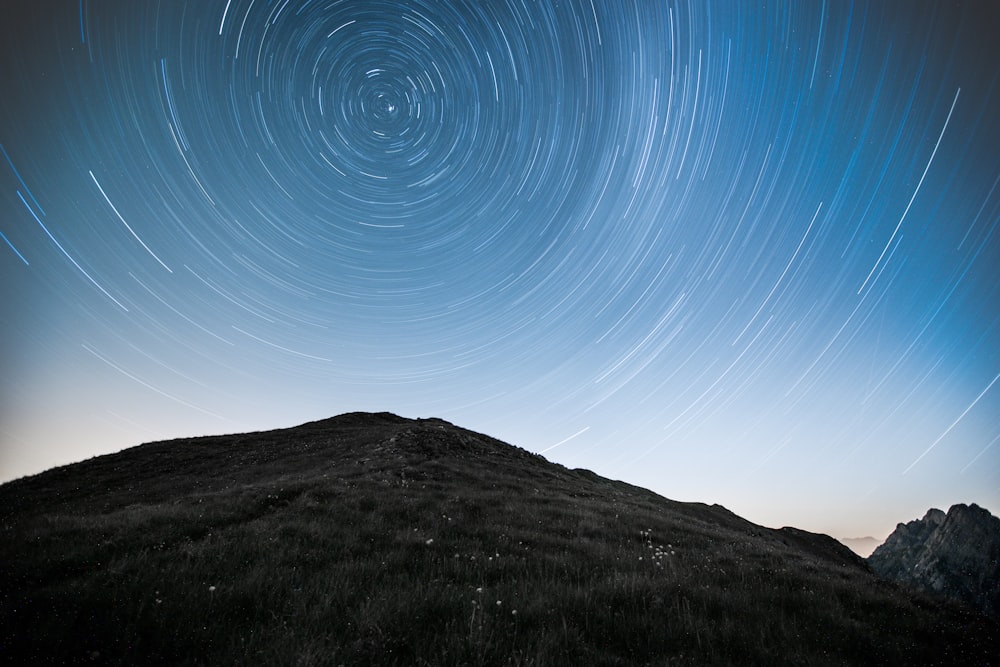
point(738, 255)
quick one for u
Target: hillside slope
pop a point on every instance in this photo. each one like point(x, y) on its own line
point(374, 539)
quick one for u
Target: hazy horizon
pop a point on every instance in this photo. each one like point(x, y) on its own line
point(736, 257)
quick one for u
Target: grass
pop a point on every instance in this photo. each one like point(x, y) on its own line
point(369, 539)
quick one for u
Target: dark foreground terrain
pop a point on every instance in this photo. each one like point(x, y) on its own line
point(373, 539)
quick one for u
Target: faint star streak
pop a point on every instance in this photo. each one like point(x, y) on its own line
point(149, 386)
point(916, 190)
point(127, 226)
point(951, 426)
point(68, 256)
point(565, 440)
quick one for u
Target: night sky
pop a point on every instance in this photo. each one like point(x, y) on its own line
point(738, 255)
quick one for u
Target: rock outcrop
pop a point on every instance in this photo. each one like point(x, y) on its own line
point(956, 555)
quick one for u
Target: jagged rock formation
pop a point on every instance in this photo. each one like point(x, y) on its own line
point(955, 554)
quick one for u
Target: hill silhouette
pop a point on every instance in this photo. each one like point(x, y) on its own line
point(375, 539)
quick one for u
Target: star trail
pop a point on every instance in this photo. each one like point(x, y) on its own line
point(737, 255)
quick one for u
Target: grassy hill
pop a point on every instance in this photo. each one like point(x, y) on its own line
point(373, 539)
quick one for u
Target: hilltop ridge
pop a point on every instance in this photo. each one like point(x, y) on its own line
point(370, 538)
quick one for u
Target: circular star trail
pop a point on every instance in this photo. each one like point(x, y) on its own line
point(736, 256)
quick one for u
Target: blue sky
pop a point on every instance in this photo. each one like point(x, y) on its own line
point(737, 257)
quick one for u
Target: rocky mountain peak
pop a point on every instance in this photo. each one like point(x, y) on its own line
point(956, 555)
point(936, 517)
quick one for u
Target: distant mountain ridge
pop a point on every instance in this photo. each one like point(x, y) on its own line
point(863, 546)
point(955, 554)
